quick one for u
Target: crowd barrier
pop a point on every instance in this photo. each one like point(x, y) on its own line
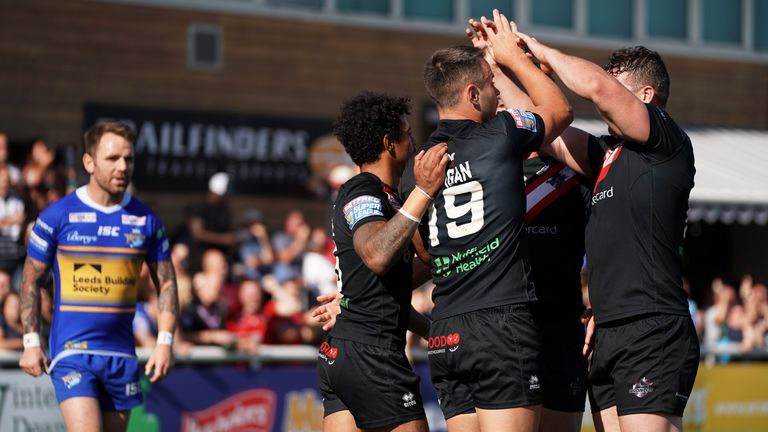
point(211, 390)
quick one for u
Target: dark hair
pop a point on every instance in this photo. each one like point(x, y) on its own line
point(93, 135)
point(449, 70)
point(645, 67)
point(365, 119)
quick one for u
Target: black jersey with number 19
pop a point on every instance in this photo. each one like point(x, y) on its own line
point(375, 309)
point(474, 228)
point(637, 222)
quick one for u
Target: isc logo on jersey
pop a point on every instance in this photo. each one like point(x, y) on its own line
point(109, 231)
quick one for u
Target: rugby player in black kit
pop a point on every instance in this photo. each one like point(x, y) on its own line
point(365, 378)
point(646, 352)
point(486, 372)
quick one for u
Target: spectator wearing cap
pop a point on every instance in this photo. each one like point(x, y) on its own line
point(256, 252)
point(210, 224)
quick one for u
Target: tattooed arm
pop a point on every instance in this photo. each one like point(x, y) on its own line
point(34, 275)
point(164, 278)
point(380, 244)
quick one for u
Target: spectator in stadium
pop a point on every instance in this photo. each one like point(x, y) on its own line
point(13, 171)
point(11, 330)
point(318, 272)
point(755, 317)
point(95, 250)
point(373, 229)
point(288, 245)
point(204, 320)
point(289, 321)
point(210, 224)
point(643, 176)
point(256, 252)
point(12, 217)
point(250, 327)
point(215, 265)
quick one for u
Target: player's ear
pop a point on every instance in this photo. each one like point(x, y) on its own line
point(472, 93)
point(647, 93)
point(88, 163)
point(388, 143)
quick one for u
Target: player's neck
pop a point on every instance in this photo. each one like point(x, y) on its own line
point(460, 111)
point(387, 173)
point(102, 197)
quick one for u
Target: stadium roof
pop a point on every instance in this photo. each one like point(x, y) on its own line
point(731, 173)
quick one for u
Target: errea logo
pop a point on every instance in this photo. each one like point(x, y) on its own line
point(409, 400)
point(533, 383)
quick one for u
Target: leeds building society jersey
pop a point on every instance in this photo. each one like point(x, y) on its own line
point(636, 225)
point(96, 253)
point(556, 212)
point(474, 228)
point(375, 309)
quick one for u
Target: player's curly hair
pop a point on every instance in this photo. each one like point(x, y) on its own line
point(365, 119)
point(645, 67)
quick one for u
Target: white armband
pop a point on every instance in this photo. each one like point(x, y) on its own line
point(31, 340)
point(165, 338)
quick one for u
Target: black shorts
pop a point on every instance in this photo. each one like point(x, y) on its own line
point(486, 359)
point(563, 367)
point(377, 385)
point(644, 365)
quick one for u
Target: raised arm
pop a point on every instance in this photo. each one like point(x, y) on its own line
point(164, 277)
point(380, 244)
point(548, 101)
point(34, 275)
point(625, 113)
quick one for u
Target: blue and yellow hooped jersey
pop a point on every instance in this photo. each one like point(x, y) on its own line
point(96, 253)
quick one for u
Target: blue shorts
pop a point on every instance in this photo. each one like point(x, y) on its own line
point(112, 380)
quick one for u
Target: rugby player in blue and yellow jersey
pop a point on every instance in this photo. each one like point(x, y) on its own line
point(96, 240)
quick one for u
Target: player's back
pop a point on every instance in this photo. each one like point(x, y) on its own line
point(96, 253)
point(474, 232)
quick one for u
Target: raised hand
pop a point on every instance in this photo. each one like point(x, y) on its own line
point(429, 168)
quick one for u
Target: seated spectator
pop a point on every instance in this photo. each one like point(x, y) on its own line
point(203, 321)
point(318, 273)
point(11, 331)
point(256, 251)
point(250, 326)
point(13, 171)
point(11, 221)
point(289, 245)
point(755, 318)
point(289, 321)
point(215, 265)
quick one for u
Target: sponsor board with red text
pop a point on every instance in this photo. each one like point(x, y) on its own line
point(247, 411)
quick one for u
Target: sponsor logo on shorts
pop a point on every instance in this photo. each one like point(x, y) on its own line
point(44, 226)
point(409, 400)
point(533, 383)
point(88, 217)
point(576, 387)
point(76, 345)
point(642, 387)
point(328, 353)
point(438, 344)
point(71, 379)
point(132, 389)
point(75, 236)
point(682, 397)
point(133, 220)
point(38, 242)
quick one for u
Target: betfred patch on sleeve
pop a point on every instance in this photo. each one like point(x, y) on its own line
point(361, 208)
point(523, 119)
